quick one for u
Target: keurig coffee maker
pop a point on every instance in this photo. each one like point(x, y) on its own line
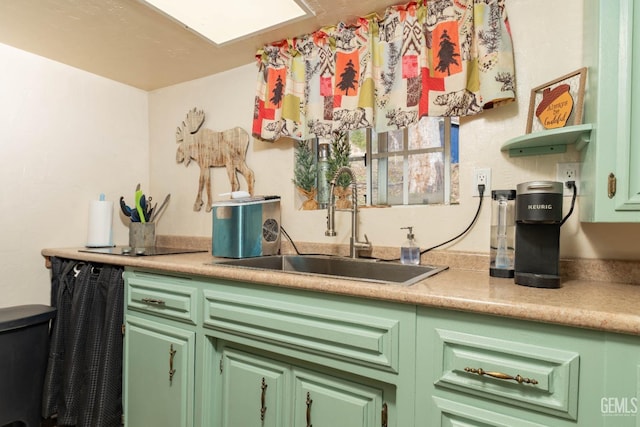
point(538, 221)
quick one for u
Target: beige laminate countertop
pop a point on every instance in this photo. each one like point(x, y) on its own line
point(599, 305)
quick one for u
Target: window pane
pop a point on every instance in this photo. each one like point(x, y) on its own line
point(395, 177)
point(375, 196)
point(358, 142)
point(406, 166)
point(427, 133)
point(395, 140)
point(388, 180)
point(358, 168)
point(426, 182)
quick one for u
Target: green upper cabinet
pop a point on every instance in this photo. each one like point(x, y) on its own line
point(611, 161)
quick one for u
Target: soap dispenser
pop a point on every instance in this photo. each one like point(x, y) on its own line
point(410, 251)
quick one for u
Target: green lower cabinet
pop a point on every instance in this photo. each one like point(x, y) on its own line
point(259, 391)
point(216, 353)
point(619, 401)
point(482, 370)
point(453, 413)
point(254, 390)
point(325, 401)
point(158, 374)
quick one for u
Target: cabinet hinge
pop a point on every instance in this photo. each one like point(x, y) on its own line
point(122, 419)
point(611, 185)
point(123, 328)
point(221, 364)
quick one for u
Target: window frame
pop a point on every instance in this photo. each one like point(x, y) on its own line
point(382, 155)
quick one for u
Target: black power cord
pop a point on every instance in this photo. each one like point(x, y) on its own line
point(295, 248)
point(571, 184)
point(481, 189)
point(290, 240)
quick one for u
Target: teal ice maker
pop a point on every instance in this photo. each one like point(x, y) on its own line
point(247, 227)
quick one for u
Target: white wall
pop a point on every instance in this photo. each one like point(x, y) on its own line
point(67, 136)
point(547, 45)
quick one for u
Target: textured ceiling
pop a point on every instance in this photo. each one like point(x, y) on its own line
point(126, 41)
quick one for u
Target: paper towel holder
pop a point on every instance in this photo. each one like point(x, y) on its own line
point(100, 233)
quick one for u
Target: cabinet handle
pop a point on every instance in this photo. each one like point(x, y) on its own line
point(518, 378)
point(385, 415)
point(172, 371)
point(611, 185)
point(309, 402)
point(263, 407)
point(153, 301)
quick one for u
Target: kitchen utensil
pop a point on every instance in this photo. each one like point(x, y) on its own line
point(138, 197)
point(126, 210)
point(163, 205)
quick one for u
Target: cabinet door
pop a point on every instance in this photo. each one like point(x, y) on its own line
point(324, 401)
point(619, 400)
point(158, 374)
point(610, 172)
point(254, 390)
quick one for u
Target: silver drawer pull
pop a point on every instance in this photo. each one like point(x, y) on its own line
point(518, 378)
point(153, 301)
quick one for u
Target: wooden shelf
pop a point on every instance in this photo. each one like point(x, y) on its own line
point(548, 141)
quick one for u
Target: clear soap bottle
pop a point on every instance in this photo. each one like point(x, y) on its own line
point(410, 251)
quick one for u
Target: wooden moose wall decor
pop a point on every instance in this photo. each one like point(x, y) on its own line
point(211, 149)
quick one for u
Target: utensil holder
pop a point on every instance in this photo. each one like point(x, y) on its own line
point(142, 234)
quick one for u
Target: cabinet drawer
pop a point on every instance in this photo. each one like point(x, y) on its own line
point(161, 295)
point(536, 377)
point(335, 328)
point(453, 413)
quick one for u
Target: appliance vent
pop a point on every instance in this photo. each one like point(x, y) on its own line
point(270, 230)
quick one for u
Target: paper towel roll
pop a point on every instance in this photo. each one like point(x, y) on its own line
point(100, 220)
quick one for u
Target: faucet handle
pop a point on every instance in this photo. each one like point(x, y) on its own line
point(366, 245)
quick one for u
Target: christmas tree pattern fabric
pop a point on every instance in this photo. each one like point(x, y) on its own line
point(428, 58)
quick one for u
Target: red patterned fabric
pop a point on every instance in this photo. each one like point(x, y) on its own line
point(425, 58)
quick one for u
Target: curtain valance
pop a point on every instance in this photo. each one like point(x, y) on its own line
point(425, 58)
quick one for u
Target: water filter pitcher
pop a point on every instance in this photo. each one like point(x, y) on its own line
point(502, 233)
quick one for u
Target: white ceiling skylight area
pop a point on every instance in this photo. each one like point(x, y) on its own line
point(225, 21)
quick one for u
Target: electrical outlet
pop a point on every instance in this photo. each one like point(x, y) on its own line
point(568, 172)
point(481, 176)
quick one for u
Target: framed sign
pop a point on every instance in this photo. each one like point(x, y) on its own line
point(558, 103)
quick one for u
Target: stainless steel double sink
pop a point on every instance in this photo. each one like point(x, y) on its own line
point(368, 270)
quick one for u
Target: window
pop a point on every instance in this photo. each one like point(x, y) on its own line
point(412, 166)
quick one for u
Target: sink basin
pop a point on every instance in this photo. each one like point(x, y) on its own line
point(340, 267)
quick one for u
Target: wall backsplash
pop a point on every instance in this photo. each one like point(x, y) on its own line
point(70, 135)
point(602, 270)
point(228, 98)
